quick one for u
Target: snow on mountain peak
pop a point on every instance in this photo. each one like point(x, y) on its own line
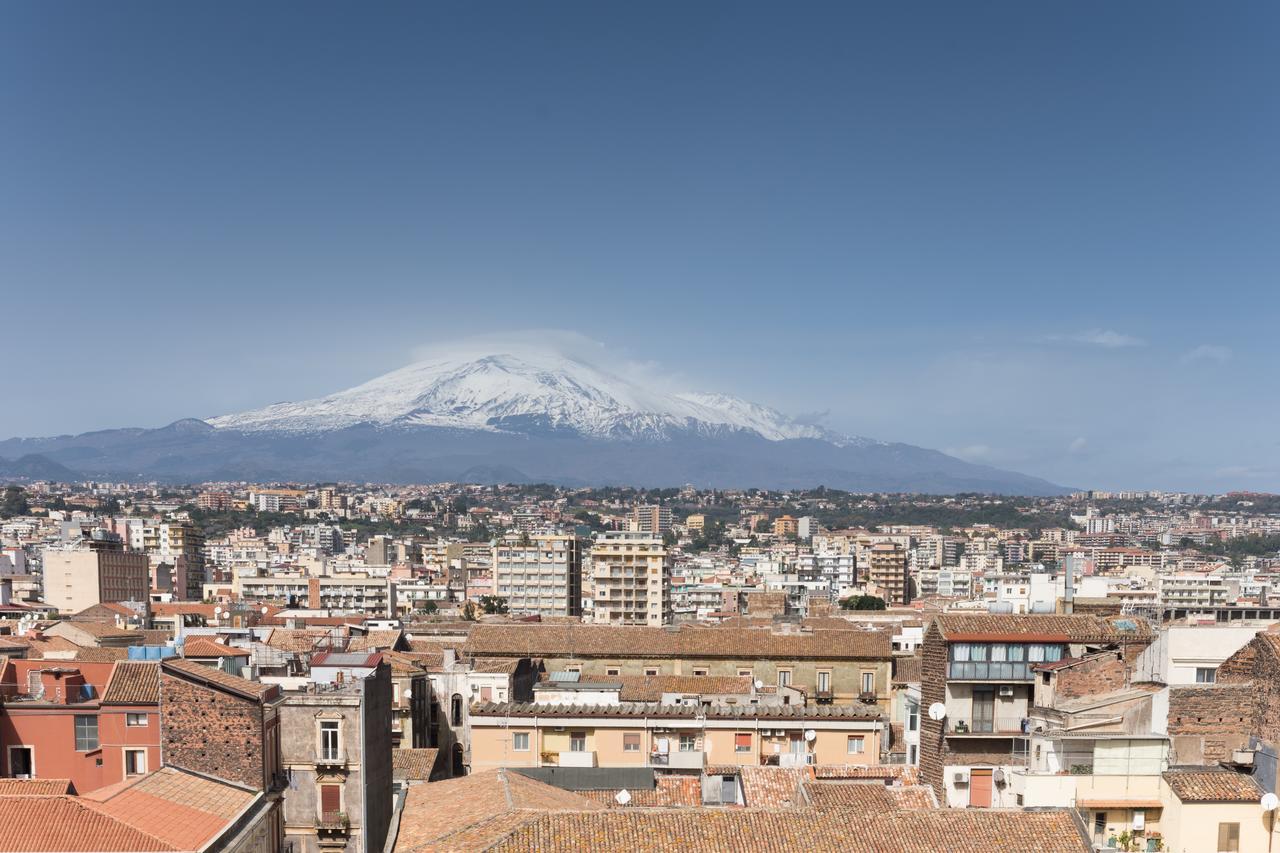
point(513, 392)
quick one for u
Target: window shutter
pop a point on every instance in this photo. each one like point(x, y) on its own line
point(330, 799)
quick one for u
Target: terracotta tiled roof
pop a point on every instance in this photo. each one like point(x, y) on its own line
point(376, 641)
point(217, 678)
point(203, 647)
point(101, 655)
point(768, 787)
point(68, 824)
point(902, 773)
point(668, 792)
point(413, 764)
point(133, 683)
point(35, 787)
point(1076, 628)
point(183, 810)
point(906, 670)
point(750, 830)
point(102, 629)
point(869, 797)
point(1213, 786)
point(298, 640)
point(472, 812)
point(649, 688)
point(609, 641)
point(858, 711)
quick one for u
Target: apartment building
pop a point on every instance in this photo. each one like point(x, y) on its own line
point(343, 594)
point(1192, 590)
point(887, 562)
point(672, 737)
point(630, 579)
point(96, 570)
point(539, 574)
point(830, 666)
point(335, 745)
point(981, 670)
point(176, 550)
point(651, 518)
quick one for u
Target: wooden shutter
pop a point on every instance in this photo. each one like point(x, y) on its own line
point(330, 799)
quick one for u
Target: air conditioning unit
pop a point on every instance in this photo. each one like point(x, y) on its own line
point(960, 778)
point(1006, 690)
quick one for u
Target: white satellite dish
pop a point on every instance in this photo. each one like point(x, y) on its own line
point(1270, 802)
point(623, 797)
point(408, 694)
point(810, 734)
point(937, 711)
point(265, 610)
point(759, 684)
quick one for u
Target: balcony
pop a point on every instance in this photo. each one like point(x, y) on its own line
point(689, 760)
point(997, 727)
point(824, 697)
point(990, 670)
point(332, 822)
point(331, 757)
point(578, 759)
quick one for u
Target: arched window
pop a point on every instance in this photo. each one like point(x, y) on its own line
point(457, 709)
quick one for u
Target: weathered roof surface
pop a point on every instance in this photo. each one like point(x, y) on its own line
point(750, 831)
point(669, 792)
point(203, 647)
point(133, 683)
point(1075, 628)
point(906, 670)
point(1213, 786)
point(768, 787)
point(472, 812)
point(413, 764)
point(35, 787)
point(101, 630)
point(869, 797)
point(688, 641)
point(298, 639)
point(649, 688)
point(902, 773)
point(376, 641)
point(217, 678)
point(858, 711)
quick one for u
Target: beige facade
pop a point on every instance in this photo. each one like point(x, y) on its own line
point(539, 574)
point(74, 580)
point(631, 579)
point(662, 737)
point(888, 563)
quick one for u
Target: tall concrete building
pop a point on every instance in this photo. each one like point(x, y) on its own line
point(95, 570)
point(631, 579)
point(888, 571)
point(180, 546)
point(651, 518)
point(539, 573)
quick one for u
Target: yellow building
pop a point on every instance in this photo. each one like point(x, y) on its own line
point(630, 579)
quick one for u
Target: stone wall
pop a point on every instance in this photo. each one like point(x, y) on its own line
point(212, 732)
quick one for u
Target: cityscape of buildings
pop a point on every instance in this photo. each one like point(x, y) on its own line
point(295, 667)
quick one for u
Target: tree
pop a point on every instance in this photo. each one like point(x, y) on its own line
point(492, 604)
point(862, 602)
point(14, 502)
point(427, 608)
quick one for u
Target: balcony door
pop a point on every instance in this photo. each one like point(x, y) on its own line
point(984, 709)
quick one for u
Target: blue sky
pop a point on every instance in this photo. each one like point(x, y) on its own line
point(1042, 236)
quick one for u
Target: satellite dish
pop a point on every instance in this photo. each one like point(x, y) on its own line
point(937, 711)
point(1270, 802)
point(810, 734)
point(217, 611)
point(759, 684)
point(622, 797)
point(408, 694)
point(265, 610)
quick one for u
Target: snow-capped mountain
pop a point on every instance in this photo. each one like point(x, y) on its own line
point(538, 391)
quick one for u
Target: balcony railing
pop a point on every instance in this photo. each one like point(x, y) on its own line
point(577, 759)
point(331, 757)
point(996, 727)
point(332, 821)
point(690, 760)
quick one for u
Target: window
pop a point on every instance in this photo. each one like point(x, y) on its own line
point(913, 716)
point(742, 742)
point(699, 670)
point(520, 741)
point(134, 720)
point(784, 678)
point(577, 741)
point(456, 709)
point(1228, 838)
point(855, 744)
point(824, 682)
point(330, 802)
point(86, 733)
point(329, 740)
point(744, 673)
point(135, 762)
point(613, 670)
point(868, 682)
point(1206, 674)
point(689, 743)
point(650, 670)
point(631, 742)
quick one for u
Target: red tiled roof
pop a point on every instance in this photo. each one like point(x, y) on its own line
point(1213, 786)
point(203, 647)
point(35, 787)
point(133, 683)
point(68, 825)
point(213, 677)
